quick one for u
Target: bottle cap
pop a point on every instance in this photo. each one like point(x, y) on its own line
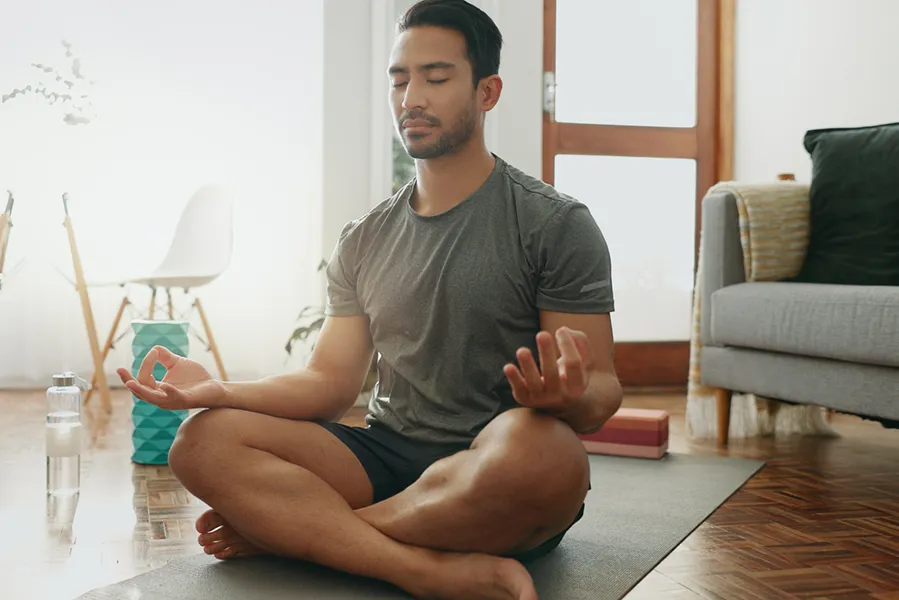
point(64, 380)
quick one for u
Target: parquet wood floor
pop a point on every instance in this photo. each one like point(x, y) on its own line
point(819, 522)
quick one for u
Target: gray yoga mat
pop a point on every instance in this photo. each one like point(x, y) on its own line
point(638, 511)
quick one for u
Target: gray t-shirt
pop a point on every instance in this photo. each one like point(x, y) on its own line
point(452, 297)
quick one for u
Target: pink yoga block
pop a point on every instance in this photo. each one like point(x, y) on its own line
point(637, 432)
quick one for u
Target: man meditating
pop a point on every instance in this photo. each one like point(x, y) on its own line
point(487, 295)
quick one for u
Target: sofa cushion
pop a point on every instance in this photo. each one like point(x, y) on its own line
point(852, 323)
point(854, 206)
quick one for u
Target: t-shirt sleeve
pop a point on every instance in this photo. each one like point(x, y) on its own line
point(340, 274)
point(574, 265)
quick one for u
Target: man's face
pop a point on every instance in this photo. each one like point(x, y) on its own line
point(433, 97)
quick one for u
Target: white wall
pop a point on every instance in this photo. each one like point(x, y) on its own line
point(346, 116)
point(187, 93)
point(519, 114)
point(806, 64)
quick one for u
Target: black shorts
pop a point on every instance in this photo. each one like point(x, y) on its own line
point(394, 462)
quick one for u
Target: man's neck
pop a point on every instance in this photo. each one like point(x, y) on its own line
point(444, 182)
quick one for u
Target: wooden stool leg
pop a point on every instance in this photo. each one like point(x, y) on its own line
point(168, 292)
point(88, 316)
point(152, 303)
point(4, 239)
point(5, 228)
point(106, 348)
point(723, 399)
point(212, 345)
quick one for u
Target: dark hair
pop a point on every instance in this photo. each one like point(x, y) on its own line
point(482, 36)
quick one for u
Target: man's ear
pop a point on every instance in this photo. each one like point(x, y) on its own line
point(489, 90)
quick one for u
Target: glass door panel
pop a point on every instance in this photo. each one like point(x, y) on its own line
point(627, 62)
point(645, 208)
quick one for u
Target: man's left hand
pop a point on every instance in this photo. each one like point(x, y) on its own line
point(562, 377)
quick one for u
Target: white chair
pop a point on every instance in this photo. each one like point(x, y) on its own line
point(199, 253)
point(201, 248)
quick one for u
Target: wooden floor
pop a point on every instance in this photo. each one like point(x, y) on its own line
point(820, 521)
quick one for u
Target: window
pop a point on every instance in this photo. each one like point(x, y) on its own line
point(402, 165)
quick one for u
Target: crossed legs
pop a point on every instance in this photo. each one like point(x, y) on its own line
point(291, 488)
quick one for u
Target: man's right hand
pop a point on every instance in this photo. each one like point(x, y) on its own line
point(187, 384)
point(322, 390)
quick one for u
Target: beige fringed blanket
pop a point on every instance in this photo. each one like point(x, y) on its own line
point(774, 229)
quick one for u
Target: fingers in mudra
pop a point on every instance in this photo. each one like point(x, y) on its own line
point(532, 384)
point(560, 376)
point(145, 372)
point(145, 386)
point(571, 362)
point(546, 347)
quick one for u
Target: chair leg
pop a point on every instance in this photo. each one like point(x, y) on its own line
point(212, 346)
point(723, 398)
point(4, 238)
point(88, 314)
point(152, 303)
point(168, 293)
point(108, 346)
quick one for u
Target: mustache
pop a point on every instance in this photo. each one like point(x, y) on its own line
point(417, 114)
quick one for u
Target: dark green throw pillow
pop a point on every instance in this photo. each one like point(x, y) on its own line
point(854, 201)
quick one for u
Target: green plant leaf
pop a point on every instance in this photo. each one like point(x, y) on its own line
point(301, 334)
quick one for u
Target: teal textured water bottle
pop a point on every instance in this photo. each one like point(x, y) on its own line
point(154, 427)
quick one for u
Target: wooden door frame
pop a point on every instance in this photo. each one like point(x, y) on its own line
point(710, 142)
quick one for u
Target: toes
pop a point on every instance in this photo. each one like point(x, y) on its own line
point(219, 535)
point(208, 521)
point(216, 548)
point(239, 549)
point(226, 553)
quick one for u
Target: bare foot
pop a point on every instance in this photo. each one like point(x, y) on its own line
point(219, 539)
point(474, 577)
point(448, 576)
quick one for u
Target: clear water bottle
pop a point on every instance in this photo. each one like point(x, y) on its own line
point(63, 436)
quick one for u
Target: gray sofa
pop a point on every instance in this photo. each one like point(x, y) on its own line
point(833, 346)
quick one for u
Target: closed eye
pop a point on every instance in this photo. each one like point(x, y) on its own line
point(434, 81)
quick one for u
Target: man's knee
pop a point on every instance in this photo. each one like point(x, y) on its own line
point(201, 438)
point(536, 459)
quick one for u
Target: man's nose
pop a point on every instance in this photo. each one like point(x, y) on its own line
point(414, 96)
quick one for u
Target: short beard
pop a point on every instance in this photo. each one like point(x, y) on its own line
point(448, 142)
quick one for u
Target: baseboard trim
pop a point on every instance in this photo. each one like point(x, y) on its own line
point(657, 390)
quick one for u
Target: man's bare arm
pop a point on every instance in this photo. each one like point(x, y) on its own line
point(603, 394)
point(325, 389)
